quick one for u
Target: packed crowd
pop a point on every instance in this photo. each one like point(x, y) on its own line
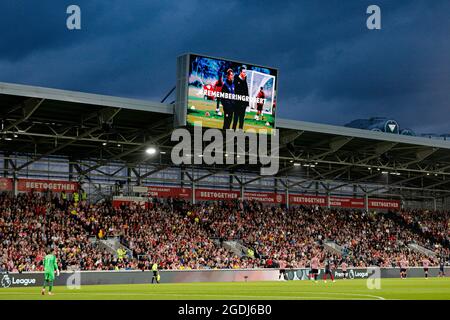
point(179, 235)
point(161, 234)
point(30, 223)
point(434, 225)
point(292, 236)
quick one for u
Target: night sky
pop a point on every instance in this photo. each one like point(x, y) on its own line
point(332, 68)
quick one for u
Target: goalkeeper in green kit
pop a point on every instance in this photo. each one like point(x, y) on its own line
point(50, 266)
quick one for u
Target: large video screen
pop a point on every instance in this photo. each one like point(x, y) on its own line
point(226, 94)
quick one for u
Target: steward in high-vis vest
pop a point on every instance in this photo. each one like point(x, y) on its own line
point(121, 254)
point(76, 197)
point(83, 195)
point(156, 275)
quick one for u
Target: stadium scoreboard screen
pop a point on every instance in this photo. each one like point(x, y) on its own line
point(225, 94)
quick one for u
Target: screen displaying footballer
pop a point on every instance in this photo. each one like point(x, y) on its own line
point(231, 95)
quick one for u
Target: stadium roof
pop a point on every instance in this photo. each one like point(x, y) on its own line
point(103, 128)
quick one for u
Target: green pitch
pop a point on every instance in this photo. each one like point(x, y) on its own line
point(416, 289)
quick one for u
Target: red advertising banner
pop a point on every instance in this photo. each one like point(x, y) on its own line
point(343, 202)
point(166, 192)
point(346, 202)
point(6, 184)
point(26, 185)
point(211, 194)
point(128, 201)
point(267, 197)
point(307, 200)
point(384, 204)
point(270, 197)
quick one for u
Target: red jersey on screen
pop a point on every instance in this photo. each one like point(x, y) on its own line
point(260, 95)
point(218, 85)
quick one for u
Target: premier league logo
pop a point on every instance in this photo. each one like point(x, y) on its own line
point(6, 281)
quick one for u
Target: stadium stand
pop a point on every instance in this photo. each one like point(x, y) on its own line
point(68, 140)
point(179, 235)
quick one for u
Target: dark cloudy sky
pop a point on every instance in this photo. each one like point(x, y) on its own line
point(332, 68)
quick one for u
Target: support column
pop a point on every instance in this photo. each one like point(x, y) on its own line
point(242, 186)
point(287, 193)
point(129, 187)
point(5, 166)
point(193, 185)
point(129, 171)
point(70, 170)
point(182, 176)
point(14, 181)
point(328, 200)
point(366, 202)
point(138, 178)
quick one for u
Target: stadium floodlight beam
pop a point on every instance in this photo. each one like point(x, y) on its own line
point(150, 150)
point(296, 164)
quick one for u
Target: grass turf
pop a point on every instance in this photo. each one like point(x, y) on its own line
point(412, 288)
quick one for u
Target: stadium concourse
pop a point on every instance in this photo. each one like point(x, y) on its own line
point(66, 155)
